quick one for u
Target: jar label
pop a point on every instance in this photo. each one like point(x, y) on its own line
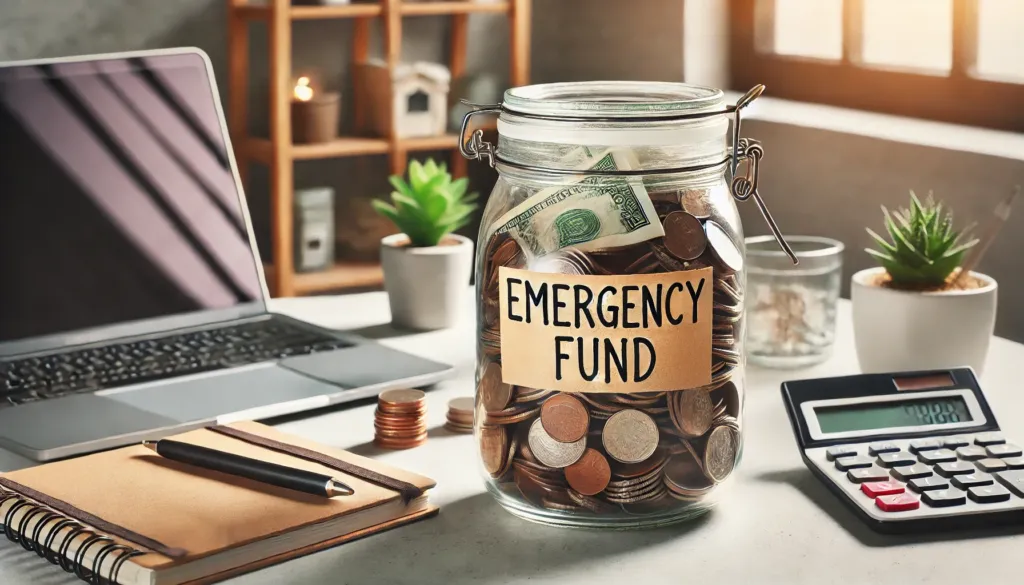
point(619, 333)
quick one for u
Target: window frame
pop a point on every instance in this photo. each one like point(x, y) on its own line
point(957, 98)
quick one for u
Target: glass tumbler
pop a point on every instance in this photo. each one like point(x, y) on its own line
point(791, 309)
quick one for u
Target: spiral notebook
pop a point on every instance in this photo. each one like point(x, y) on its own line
point(131, 517)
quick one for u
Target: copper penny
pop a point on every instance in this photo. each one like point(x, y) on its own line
point(693, 412)
point(565, 419)
point(494, 393)
point(590, 475)
point(494, 444)
point(402, 398)
point(684, 236)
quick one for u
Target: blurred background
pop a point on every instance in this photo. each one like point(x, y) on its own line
point(866, 99)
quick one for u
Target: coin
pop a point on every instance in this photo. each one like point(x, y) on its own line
point(696, 203)
point(551, 452)
point(631, 470)
point(495, 394)
point(684, 236)
point(590, 475)
point(684, 475)
point(494, 444)
point(402, 398)
point(565, 418)
point(692, 412)
point(630, 436)
point(720, 453)
point(722, 247)
point(461, 405)
point(511, 415)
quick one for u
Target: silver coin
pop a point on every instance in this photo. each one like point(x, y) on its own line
point(723, 248)
point(630, 436)
point(720, 453)
point(551, 452)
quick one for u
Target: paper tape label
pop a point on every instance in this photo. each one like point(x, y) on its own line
point(620, 333)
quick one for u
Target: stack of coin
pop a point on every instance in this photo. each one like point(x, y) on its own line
point(400, 421)
point(635, 453)
point(460, 415)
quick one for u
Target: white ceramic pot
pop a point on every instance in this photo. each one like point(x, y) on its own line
point(898, 330)
point(426, 286)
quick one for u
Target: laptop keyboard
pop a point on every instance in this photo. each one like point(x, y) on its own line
point(88, 370)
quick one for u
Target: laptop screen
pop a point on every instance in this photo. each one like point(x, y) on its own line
point(117, 200)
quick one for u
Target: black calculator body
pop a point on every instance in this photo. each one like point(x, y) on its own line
point(911, 451)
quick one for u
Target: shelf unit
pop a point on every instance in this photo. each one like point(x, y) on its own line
point(278, 152)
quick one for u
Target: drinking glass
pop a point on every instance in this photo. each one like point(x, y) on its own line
point(791, 310)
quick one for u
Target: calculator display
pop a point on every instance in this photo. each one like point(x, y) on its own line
point(884, 415)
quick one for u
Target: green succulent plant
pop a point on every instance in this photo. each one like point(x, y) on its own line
point(925, 249)
point(430, 205)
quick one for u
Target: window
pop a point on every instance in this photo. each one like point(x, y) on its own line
point(958, 61)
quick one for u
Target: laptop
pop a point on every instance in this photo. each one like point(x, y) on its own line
point(132, 297)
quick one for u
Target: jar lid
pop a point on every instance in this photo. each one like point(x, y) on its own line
point(613, 99)
point(622, 113)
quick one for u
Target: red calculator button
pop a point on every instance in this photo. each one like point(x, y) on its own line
point(898, 502)
point(882, 488)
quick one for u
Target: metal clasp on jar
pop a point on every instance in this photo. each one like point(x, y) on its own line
point(744, 150)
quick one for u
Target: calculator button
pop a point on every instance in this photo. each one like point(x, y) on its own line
point(951, 468)
point(944, 498)
point(936, 456)
point(873, 473)
point(991, 465)
point(909, 472)
point(972, 479)
point(986, 439)
point(897, 502)
point(833, 453)
point(918, 445)
point(848, 463)
point(1006, 450)
point(954, 442)
point(882, 488)
point(932, 482)
point(971, 453)
point(987, 494)
point(1013, 481)
point(896, 459)
point(1014, 462)
point(879, 448)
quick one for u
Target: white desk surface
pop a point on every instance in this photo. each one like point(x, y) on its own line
point(777, 523)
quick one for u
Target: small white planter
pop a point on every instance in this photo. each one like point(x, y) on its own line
point(898, 330)
point(426, 286)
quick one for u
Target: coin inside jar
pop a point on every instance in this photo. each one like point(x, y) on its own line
point(565, 418)
point(494, 393)
point(551, 452)
point(630, 436)
point(720, 453)
point(494, 449)
point(684, 236)
point(692, 412)
point(590, 475)
point(723, 248)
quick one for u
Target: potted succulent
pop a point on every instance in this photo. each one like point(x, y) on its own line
point(426, 266)
point(918, 311)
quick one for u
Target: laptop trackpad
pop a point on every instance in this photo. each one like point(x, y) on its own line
point(238, 394)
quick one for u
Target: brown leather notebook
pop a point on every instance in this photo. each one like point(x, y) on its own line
point(131, 517)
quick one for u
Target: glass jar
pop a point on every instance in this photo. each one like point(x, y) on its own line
point(610, 284)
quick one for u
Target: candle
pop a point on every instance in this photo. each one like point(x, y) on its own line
point(315, 114)
point(303, 92)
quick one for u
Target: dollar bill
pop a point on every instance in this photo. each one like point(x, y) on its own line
point(593, 213)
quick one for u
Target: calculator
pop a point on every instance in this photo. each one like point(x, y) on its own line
point(911, 451)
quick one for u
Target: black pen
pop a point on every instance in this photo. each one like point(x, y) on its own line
point(254, 469)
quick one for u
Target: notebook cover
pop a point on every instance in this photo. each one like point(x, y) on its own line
point(409, 519)
point(205, 512)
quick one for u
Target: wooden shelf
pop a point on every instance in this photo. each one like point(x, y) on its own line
point(464, 7)
point(259, 149)
point(430, 142)
point(262, 12)
point(343, 275)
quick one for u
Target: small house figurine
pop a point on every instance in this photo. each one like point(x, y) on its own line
point(408, 101)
